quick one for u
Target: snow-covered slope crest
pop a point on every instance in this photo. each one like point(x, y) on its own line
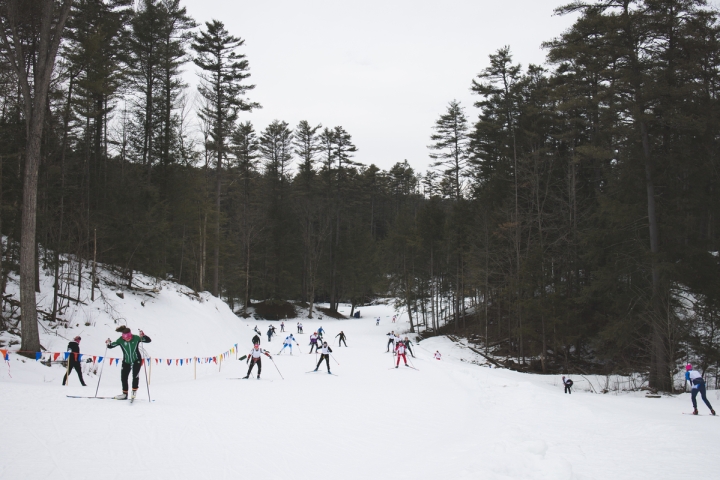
point(182, 324)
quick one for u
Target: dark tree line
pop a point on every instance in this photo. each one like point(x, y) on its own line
point(572, 223)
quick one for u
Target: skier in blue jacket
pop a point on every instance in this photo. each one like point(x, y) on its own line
point(289, 340)
point(698, 385)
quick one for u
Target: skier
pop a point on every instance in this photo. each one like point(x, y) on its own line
point(391, 340)
point(342, 339)
point(320, 332)
point(301, 328)
point(568, 384)
point(393, 318)
point(298, 327)
point(256, 330)
point(407, 345)
point(698, 385)
point(377, 321)
point(437, 355)
point(255, 357)
point(131, 358)
point(400, 351)
point(73, 362)
point(288, 343)
point(313, 342)
point(256, 339)
point(270, 333)
point(325, 352)
point(282, 326)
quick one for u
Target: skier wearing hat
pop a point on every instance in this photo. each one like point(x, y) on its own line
point(568, 384)
point(325, 352)
point(131, 358)
point(342, 338)
point(289, 340)
point(314, 342)
point(698, 385)
point(407, 343)
point(73, 360)
point(400, 352)
point(255, 357)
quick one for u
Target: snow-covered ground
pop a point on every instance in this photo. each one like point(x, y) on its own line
point(450, 419)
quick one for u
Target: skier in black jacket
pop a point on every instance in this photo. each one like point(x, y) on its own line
point(407, 343)
point(568, 384)
point(342, 339)
point(73, 360)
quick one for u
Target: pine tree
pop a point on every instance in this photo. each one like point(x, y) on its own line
point(451, 144)
point(224, 71)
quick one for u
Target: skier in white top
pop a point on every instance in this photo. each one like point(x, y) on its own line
point(400, 351)
point(698, 386)
point(255, 357)
point(289, 340)
point(437, 355)
point(325, 352)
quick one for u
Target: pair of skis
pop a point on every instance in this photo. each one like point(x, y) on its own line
point(409, 366)
point(131, 398)
point(318, 371)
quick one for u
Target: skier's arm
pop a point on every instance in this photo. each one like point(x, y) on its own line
point(112, 344)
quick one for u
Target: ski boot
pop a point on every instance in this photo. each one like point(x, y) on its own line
point(396, 366)
point(329, 372)
point(407, 365)
point(132, 397)
point(258, 377)
point(712, 412)
point(695, 412)
point(246, 376)
point(122, 396)
point(315, 370)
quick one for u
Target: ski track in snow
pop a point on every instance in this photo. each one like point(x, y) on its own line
point(449, 419)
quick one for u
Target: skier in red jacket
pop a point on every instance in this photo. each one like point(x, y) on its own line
point(400, 351)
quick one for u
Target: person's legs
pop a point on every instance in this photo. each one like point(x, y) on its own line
point(79, 372)
point(701, 388)
point(693, 395)
point(126, 367)
point(136, 375)
point(327, 361)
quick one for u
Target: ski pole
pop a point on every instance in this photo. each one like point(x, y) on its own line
point(276, 368)
point(147, 384)
point(67, 371)
point(101, 370)
point(334, 359)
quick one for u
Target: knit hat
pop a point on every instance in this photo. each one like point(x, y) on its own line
point(688, 367)
point(77, 339)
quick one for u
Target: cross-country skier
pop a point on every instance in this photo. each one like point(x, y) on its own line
point(131, 358)
point(288, 343)
point(320, 332)
point(400, 351)
point(407, 343)
point(377, 321)
point(391, 340)
point(568, 384)
point(698, 385)
point(73, 362)
point(256, 330)
point(282, 326)
point(393, 318)
point(437, 355)
point(314, 342)
point(270, 332)
point(255, 357)
point(325, 352)
point(342, 339)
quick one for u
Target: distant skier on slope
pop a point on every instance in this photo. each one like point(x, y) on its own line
point(289, 340)
point(698, 385)
point(377, 321)
point(391, 340)
point(325, 352)
point(270, 332)
point(256, 330)
point(437, 355)
point(282, 326)
point(568, 384)
point(407, 343)
point(255, 357)
point(342, 339)
point(73, 360)
point(400, 351)
point(320, 333)
point(314, 342)
point(129, 344)
point(393, 320)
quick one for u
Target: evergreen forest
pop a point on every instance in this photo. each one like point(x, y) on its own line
point(570, 218)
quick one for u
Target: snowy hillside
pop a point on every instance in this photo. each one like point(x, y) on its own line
point(446, 419)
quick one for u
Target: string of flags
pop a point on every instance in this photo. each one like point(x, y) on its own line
point(53, 356)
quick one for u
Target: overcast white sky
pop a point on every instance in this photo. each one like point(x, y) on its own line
point(384, 70)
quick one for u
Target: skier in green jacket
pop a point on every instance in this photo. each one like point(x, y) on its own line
point(131, 358)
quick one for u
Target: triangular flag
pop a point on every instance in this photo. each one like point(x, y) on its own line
point(5, 355)
point(38, 355)
point(215, 359)
point(181, 362)
point(100, 359)
point(142, 361)
point(67, 354)
point(94, 358)
point(78, 357)
point(56, 355)
point(168, 361)
point(156, 361)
